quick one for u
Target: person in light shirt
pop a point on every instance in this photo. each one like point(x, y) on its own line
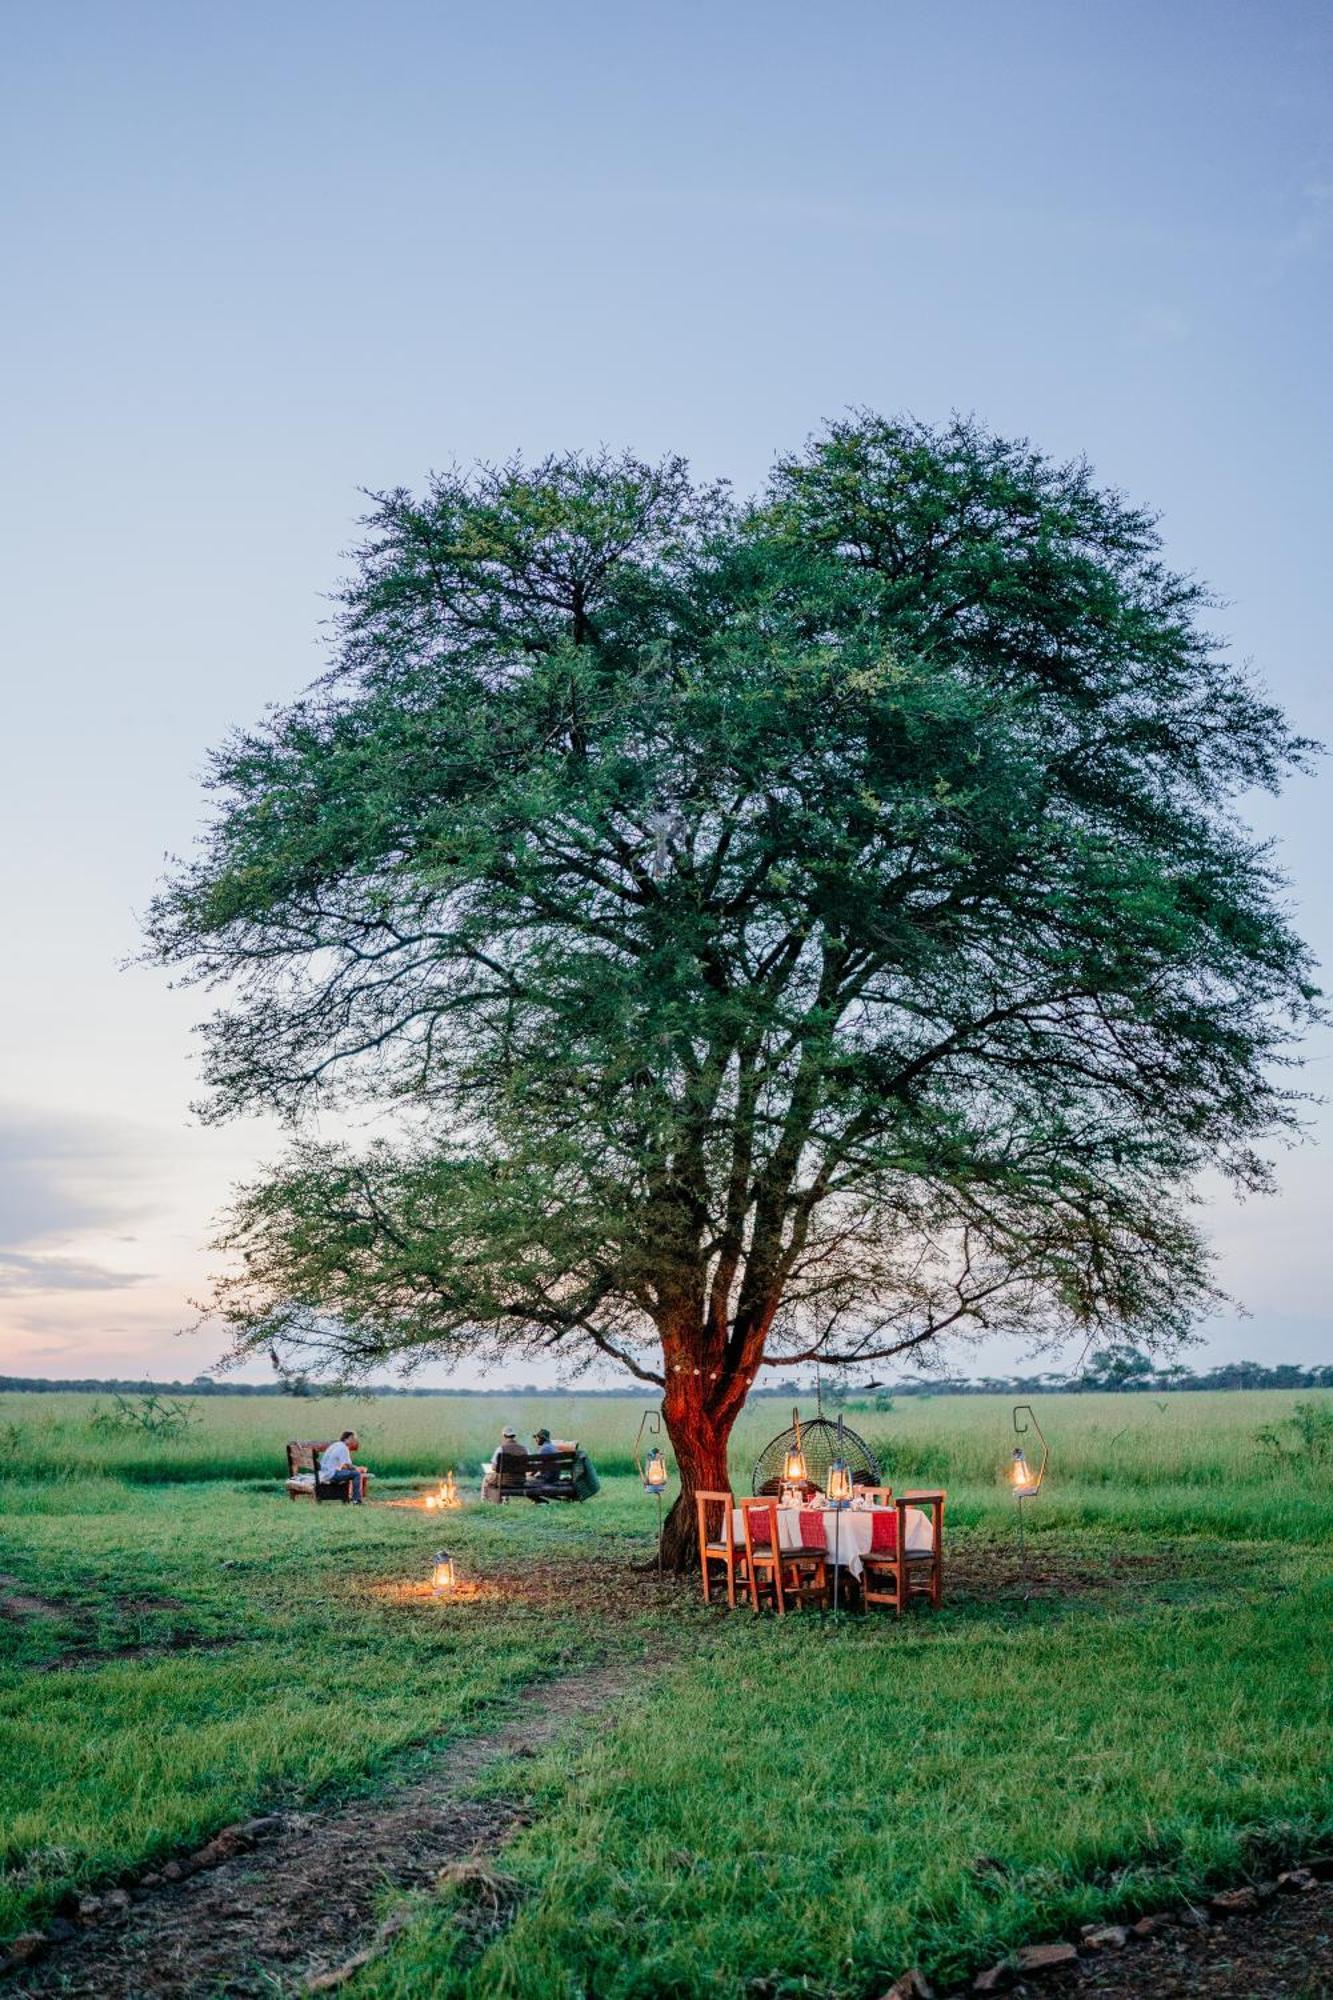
point(336, 1467)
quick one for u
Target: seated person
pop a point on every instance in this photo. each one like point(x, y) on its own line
point(336, 1467)
point(542, 1440)
point(509, 1447)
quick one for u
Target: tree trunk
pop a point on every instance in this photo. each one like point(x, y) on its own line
point(699, 1429)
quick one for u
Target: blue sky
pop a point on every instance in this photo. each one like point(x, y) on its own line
point(261, 257)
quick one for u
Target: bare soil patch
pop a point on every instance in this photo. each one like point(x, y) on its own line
point(17, 1602)
point(81, 1659)
point(21, 1606)
point(984, 1571)
point(300, 1897)
point(1283, 1951)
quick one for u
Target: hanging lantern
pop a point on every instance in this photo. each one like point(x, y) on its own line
point(1020, 1475)
point(652, 1469)
point(443, 1574)
point(839, 1488)
point(794, 1471)
point(1024, 1483)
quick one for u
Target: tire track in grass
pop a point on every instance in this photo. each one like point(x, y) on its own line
point(294, 1898)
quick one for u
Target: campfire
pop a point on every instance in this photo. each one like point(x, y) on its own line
point(441, 1497)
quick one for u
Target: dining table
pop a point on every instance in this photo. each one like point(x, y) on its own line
point(848, 1533)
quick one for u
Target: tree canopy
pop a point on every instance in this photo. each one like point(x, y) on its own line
point(797, 928)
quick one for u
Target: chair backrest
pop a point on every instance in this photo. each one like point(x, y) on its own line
point(879, 1496)
point(759, 1518)
point(514, 1471)
point(719, 1507)
point(303, 1455)
point(930, 1502)
point(554, 1468)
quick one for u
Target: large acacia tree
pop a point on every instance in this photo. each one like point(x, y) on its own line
point(752, 933)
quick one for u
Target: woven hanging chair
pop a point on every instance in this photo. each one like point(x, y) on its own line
point(821, 1441)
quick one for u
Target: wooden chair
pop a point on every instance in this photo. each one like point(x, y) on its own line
point(779, 1576)
point(895, 1578)
point(878, 1496)
point(722, 1548)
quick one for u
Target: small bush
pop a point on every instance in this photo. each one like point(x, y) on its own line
point(1304, 1438)
point(144, 1416)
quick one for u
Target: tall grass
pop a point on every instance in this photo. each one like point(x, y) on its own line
point(1204, 1441)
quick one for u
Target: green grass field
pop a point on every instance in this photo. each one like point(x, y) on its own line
point(810, 1804)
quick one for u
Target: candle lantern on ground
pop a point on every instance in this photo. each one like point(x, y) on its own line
point(443, 1574)
point(1024, 1483)
point(652, 1469)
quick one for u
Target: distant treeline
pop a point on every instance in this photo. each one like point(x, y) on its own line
point(204, 1385)
point(1117, 1369)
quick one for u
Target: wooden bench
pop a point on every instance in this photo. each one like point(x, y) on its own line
point(531, 1475)
point(303, 1480)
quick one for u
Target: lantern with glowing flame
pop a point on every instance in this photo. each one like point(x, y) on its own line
point(794, 1471)
point(652, 1469)
point(1023, 1480)
point(839, 1488)
point(1024, 1483)
point(443, 1574)
point(1020, 1475)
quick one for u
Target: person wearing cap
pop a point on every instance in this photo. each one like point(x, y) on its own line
point(509, 1446)
point(545, 1449)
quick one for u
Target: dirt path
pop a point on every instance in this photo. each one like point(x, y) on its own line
point(1280, 1947)
point(301, 1896)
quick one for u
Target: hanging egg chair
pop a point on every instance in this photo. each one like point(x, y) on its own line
point(804, 1453)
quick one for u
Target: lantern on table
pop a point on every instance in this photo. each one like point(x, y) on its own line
point(443, 1574)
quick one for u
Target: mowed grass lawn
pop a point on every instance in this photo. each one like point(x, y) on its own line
point(811, 1805)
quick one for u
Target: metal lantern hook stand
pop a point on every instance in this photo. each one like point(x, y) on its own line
point(1026, 1483)
point(839, 1495)
point(651, 1467)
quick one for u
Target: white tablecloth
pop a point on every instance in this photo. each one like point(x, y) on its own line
point(849, 1540)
